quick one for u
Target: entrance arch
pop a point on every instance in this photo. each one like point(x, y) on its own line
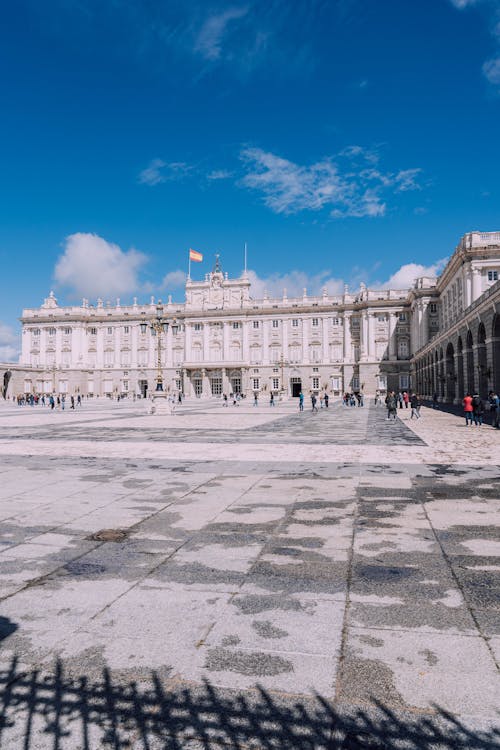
point(460, 368)
point(495, 352)
point(482, 361)
point(450, 373)
point(470, 362)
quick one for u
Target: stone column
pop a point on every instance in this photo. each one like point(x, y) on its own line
point(226, 386)
point(205, 383)
point(347, 337)
point(476, 284)
point(363, 336)
point(284, 337)
point(206, 344)
point(305, 341)
point(370, 348)
point(324, 330)
point(265, 341)
point(59, 331)
point(392, 334)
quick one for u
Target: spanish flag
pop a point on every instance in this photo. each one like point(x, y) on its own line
point(195, 255)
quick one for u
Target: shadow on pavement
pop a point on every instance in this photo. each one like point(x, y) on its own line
point(60, 711)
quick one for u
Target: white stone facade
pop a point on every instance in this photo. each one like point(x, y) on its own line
point(221, 340)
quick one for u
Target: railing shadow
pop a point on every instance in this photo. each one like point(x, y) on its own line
point(59, 711)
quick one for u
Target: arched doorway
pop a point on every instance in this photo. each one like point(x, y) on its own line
point(442, 377)
point(495, 352)
point(460, 368)
point(470, 362)
point(450, 373)
point(482, 361)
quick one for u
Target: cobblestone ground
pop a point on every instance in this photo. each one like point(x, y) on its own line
point(267, 579)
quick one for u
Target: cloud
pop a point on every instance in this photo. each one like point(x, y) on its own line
point(174, 279)
point(347, 184)
point(294, 282)
point(160, 171)
point(10, 345)
point(219, 174)
point(491, 70)
point(461, 4)
point(209, 40)
point(93, 267)
point(404, 277)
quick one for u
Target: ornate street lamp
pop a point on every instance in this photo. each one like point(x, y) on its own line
point(159, 326)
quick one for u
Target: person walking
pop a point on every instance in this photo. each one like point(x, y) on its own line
point(495, 409)
point(392, 405)
point(377, 397)
point(79, 400)
point(271, 399)
point(313, 403)
point(224, 399)
point(72, 405)
point(63, 402)
point(435, 401)
point(468, 409)
point(415, 406)
point(301, 401)
point(255, 399)
point(477, 409)
point(406, 398)
point(52, 402)
point(321, 400)
point(326, 400)
point(400, 400)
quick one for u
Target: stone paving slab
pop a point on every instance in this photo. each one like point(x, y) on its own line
point(285, 581)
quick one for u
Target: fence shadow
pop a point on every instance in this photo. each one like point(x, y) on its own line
point(59, 711)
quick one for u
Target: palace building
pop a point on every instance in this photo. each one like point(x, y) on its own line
point(442, 335)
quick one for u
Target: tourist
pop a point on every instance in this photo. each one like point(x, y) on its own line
point(326, 400)
point(377, 397)
point(72, 405)
point(392, 405)
point(415, 406)
point(301, 401)
point(477, 409)
point(79, 400)
point(224, 399)
point(314, 408)
point(495, 409)
point(63, 402)
point(468, 409)
point(406, 398)
point(400, 400)
point(255, 399)
point(321, 401)
point(52, 402)
point(271, 399)
point(435, 401)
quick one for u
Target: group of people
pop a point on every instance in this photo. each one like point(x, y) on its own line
point(392, 400)
point(474, 409)
point(54, 402)
point(353, 399)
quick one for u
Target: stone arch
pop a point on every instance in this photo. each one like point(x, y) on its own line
point(469, 355)
point(450, 373)
point(460, 368)
point(495, 351)
point(442, 377)
point(482, 361)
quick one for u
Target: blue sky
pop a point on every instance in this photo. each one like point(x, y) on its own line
point(343, 140)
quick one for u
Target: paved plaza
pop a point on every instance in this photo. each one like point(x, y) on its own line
point(248, 578)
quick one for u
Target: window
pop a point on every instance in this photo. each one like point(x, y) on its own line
point(255, 354)
point(125, 386)
point(197, 326)
point(126, 329)
point(403, 382)
point(382, 382)
point(294, 353)
point(315, 322)
point(336, 352)
point(492, 275)
point(256, 324)
point(52, 331)
point(315, 353)
point(66, 358)
point(256, 384)
point(276, 384)
point(402, 317)
point(108, 359)
point(295, 323)
point(403, 348)
point(93, 331)
point(433, 308)
point(335, 321)
point(256, 371)
point(315, 384)
point(355, 383)
point(275, 369)
point(336, 384)
point(315, 369)
point(110, 331)
point(67, 331)
point(275, 323)
point(236, 325)
point(36, 331)
point(142, 357)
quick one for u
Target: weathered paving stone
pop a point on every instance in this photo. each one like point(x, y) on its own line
point(277, 581)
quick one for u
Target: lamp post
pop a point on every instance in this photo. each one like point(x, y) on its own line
point(158, 326)
point(282, 362)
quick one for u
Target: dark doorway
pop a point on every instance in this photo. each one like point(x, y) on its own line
point(296, 385)
point(143, 387)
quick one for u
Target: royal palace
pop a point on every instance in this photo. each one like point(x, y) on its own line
point(440, 336)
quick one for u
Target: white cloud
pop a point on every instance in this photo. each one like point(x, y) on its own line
point(404, 277)
point(348, 184)
point(10, 345)
point(210, 37)
point(93, 267)
point(174, 279)
point(294, 282)
point(219, 174)
point(461, 4)
point(161, 171)
point(491, 70)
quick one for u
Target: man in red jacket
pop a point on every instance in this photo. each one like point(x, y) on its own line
point(468, 409)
